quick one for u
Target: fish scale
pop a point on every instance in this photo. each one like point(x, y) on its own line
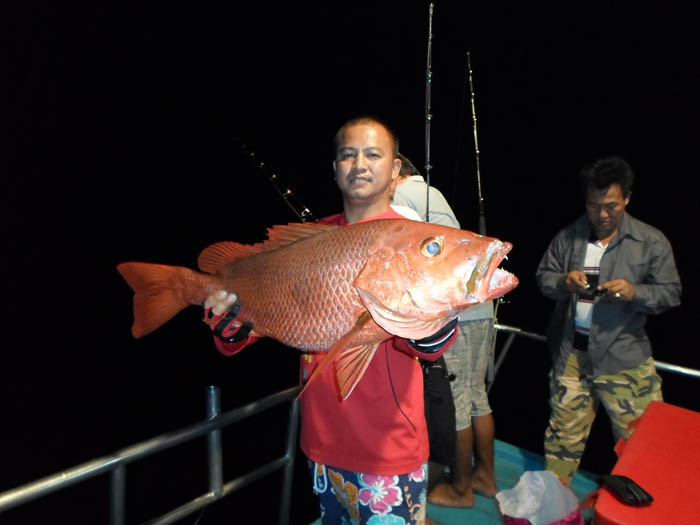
point(302, 295)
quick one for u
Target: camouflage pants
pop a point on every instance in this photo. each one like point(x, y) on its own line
point(574, 399)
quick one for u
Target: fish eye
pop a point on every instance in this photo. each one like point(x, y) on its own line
point(431, 246)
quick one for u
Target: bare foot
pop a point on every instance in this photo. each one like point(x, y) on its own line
point(446, 496)
point(484, 485)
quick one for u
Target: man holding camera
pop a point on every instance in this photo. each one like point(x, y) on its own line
point(607, 271)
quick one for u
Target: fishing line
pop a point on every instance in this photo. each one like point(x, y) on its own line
point(201, 515)
point(393, 391)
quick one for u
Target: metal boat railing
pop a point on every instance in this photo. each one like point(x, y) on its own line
point(115, 464)
point(514, 332)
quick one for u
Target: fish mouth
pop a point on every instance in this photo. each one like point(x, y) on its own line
point(487, 281)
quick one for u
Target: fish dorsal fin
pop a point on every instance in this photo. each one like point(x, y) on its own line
point(215, 258)
point(281, 235)
point(336, 349)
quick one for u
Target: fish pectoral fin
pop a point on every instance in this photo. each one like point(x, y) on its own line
point(351, 366)
point(336, 349)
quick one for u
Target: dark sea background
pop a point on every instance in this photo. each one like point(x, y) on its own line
point(123, 129)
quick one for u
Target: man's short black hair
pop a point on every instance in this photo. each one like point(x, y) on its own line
point(365, 119)
point(602, 173)
point(407, 167)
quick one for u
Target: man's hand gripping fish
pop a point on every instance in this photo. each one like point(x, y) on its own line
point(341, 290)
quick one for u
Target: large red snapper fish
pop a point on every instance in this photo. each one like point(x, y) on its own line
point(340, 289)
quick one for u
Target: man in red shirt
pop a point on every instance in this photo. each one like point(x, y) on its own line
point(368, 453)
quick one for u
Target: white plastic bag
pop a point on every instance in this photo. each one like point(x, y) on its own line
point(540, 499)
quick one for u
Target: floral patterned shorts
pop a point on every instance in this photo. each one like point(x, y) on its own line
point(350, 498)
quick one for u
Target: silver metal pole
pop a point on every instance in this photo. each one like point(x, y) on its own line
point(216, 475)
point(682, 370)
point(118, 495)
point(14, 497)
point(290, 453)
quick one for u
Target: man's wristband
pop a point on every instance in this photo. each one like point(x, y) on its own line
point(433, 343)
point(224, 327)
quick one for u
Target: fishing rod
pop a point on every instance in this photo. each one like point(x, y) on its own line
point(492, 368)
point(482, 214)
point(287, 195)
point(428, 116)
point(468, 78)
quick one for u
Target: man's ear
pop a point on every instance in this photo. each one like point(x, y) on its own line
point(396, 168)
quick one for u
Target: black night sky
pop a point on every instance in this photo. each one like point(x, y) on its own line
point(123, 128)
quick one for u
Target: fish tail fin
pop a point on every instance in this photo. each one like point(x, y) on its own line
point(157, 293)
point(346, 379)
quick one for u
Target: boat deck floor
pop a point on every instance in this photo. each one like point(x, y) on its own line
point(511, 463)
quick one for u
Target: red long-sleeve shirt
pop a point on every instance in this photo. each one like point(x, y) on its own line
point(380, 428)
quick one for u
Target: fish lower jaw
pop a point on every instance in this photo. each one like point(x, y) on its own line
point(488, 280)
point(498, 283)
point(501, 283)
point(476, 292)
point(474, 298)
